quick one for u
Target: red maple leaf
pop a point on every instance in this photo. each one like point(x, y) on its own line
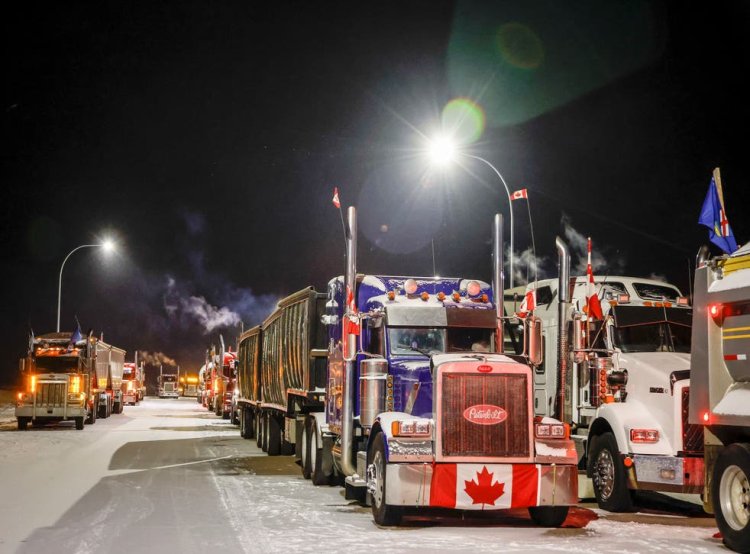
point(483, 491)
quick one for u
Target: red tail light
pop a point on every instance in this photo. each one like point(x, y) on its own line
point(717, 313)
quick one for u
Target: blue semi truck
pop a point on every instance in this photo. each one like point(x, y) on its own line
point(397, 388)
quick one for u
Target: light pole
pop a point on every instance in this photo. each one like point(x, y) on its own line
point(443, 151)
point(108, 245)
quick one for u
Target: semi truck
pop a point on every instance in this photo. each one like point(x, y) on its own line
point(621, 382)
point(390, 384)
point(167, 385)
point(132, 383)
point(223, 380)
point(720, 391)
point(66, 376)
point(189, 385)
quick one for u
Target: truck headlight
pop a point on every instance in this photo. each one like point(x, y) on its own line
point(412, 428)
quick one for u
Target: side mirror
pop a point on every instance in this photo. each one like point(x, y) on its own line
point(536, 354)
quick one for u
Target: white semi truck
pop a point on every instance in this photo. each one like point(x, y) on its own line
point(622, 383)
point(720, 397)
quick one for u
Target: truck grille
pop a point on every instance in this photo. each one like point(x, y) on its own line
point(462, 438)
point(692, 434)
point(50, 395)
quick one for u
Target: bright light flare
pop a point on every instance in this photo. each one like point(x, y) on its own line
point(108, 245)
point(442, 150)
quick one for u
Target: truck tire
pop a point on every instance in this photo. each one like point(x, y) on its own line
point(217, 406)
point(305, 450)
point(549, 516)
point(117, 408)
point(249, 416)
point(273, 436)
point(608, 475)
point(79, 423)
point(23, 422)
point(91, 417)
point(317, 468)
point(383, 514)
point(730, 492)
point(259, 429)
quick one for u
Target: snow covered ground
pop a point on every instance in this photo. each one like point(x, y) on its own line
point(167, 476)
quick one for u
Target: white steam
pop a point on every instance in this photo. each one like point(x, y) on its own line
point(578, 244)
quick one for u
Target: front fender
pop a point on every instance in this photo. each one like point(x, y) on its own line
point(401, 449)
point(621, 417)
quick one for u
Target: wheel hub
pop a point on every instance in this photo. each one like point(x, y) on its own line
point(375, 479)
point(734, 491)
point(603, 474)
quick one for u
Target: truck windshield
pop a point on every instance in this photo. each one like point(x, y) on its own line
point(57, 364)
point(431, 340)
point(653, 337)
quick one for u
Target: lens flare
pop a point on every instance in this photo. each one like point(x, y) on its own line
point(520, 46)
point(463, 121)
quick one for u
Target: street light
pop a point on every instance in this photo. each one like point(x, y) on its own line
point(442, 151)
point(108, 245)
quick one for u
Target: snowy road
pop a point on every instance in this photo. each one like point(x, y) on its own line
point(167, 476)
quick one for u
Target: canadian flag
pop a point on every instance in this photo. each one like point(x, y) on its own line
point(351, 322)
point(594, 306)
point(527, 304)
point(335, 198)
point(484, 486)
point(517, 195)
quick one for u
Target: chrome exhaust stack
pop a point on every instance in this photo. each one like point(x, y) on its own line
point(498, 285)
point(563, 408)
point(349, 346)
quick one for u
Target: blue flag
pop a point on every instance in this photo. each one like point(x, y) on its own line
point(714, 217)
point(77, 335)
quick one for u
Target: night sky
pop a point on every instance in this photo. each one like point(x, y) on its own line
point(207, 138)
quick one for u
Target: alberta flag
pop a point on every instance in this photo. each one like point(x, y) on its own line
point(714, 216)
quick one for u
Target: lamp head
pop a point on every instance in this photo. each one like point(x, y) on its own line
point(442, 150)
point(108, 245)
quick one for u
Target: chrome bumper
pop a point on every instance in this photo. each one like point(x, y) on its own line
point(669, 473)
point(56, 412)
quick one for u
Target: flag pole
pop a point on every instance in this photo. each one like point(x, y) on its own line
point(717, 180)
point(533, 244)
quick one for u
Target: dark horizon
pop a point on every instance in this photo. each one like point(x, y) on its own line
point(207, 140)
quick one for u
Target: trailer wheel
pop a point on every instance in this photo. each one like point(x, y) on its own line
point(317, 469)
point(382, 513)
point(608, 475)
point(23, 422)
point(549, 516)
point(91, 416)
point(218, 406)
point(273, 435)
point(259, 430)
point(79, 423)
point(730, 491)
point(305, 450)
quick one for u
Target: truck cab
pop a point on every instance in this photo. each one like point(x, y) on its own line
point(623, 382)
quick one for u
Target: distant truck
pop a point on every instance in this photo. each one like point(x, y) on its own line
point(132, 383)
point(390, 384)
point(189, 385)
point(720, 395)
point(223, 381)
point(68, 377)
point(167, 385)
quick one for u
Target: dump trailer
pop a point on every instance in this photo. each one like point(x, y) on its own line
point(109, 363)
point(622, 382)
point(720, 391)
point(67, 377)
point(390, 385)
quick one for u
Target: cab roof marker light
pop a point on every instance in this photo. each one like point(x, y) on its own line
point(410, 286)
point(473, 288)
point(683, 301)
